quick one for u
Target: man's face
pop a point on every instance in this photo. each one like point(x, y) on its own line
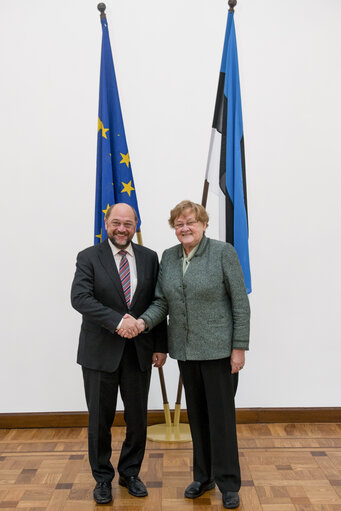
point(121, 225)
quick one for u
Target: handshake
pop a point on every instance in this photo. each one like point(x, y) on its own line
point(130, 327)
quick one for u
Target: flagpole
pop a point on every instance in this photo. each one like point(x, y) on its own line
point(205, 193)
point(139, 237)
point(232, 4)
point(164, 398)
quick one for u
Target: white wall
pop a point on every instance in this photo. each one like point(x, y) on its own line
point(167, 58)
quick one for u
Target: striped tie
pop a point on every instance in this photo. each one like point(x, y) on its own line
point(125, 275)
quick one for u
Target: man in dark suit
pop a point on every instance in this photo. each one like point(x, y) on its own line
point(114, 283)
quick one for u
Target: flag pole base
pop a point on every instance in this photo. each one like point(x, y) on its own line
point(177, 415)
point(172, 433)
point(166, 411)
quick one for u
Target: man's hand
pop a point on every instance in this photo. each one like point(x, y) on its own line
point(237, 360)
point(129, 327)
point(159, 359)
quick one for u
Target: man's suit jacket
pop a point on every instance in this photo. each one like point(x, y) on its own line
point(97, 294)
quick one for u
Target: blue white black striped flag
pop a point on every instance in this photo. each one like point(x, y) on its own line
point(226, 160)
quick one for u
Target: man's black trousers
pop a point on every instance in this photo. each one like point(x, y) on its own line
point(210, 388)
point(101, 395)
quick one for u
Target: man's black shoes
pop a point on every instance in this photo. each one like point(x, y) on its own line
point(134, 484)
point(195, 489)
point(230, 499)
point(102, 493)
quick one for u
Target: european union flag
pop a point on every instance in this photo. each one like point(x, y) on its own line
point(114, 178)
point(226, 160)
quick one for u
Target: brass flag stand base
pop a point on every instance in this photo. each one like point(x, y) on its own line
point(164, 433)
point(169, 432)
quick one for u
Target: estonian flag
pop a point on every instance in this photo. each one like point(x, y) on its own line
point(114, 178)
point(226, 160)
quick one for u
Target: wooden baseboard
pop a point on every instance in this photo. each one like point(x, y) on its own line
point(285, 415)
point(244, 416)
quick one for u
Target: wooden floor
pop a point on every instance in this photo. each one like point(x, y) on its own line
point(285, 467)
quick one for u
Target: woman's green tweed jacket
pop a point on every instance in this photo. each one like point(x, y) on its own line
point(208, 307)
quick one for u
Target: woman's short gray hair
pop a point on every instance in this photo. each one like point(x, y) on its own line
point(199, 211)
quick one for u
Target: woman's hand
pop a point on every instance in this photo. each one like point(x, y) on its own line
point(141, 325)
point(237, 360)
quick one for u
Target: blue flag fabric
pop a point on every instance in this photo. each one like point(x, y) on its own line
point(114, 178)
point(235, 166)
point(226, 161)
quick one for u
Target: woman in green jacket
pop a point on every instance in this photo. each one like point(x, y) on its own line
point(201, 288)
